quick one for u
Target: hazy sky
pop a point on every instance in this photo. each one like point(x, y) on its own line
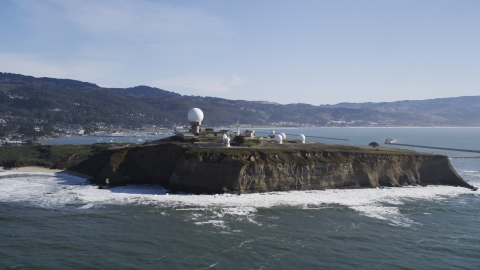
point(316, 52)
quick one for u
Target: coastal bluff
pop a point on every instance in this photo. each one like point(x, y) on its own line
point(313, 166)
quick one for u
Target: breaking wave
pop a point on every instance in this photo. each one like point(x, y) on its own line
point(57, 190)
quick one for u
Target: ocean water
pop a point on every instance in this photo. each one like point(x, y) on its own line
point(58, 221)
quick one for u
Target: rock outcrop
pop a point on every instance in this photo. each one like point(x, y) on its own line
point(247, 170)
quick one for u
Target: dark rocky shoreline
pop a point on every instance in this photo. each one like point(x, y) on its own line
point(180, 167)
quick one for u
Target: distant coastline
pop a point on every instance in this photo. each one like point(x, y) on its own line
point(142, 109)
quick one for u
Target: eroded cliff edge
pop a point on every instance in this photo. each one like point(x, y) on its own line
point(277, 168)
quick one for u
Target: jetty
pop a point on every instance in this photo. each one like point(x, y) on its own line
point(392, 142)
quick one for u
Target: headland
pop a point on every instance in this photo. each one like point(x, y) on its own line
point(256, 166)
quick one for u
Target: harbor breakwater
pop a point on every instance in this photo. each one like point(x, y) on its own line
point(277, 168)
point(392, 142)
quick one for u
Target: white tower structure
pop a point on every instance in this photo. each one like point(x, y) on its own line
point(237, 126)
point(301, 138)
point(279, 139)
point(195, 116)
point(226, 140)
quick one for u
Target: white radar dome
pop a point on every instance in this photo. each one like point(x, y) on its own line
point(301, 138)
point(195, 115)
point(283, 135)
point(278, 138)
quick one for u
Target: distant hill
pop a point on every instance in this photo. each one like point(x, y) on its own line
point(26, 99)
point(46, 82)
point(455, 111)
point(455, 105)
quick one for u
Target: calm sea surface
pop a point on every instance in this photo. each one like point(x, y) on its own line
point(58, 221)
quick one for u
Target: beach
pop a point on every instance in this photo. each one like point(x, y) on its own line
point(36, 169)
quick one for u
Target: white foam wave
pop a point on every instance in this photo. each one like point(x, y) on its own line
point(51, 190)
point(469, 172)
point(390, 214)
point(216, 223)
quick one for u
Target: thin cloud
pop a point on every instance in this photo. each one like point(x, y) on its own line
point(130, 19)
point(200, 84)
point(41, 67)
point(104, 41)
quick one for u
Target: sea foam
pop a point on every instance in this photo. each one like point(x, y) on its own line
point(57, 190)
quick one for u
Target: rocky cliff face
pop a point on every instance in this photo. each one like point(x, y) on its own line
point(262, 170)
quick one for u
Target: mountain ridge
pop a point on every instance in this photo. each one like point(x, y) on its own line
point(84, 103)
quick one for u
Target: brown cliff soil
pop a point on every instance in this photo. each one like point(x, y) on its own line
point(270, 167)
point(312, 166)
